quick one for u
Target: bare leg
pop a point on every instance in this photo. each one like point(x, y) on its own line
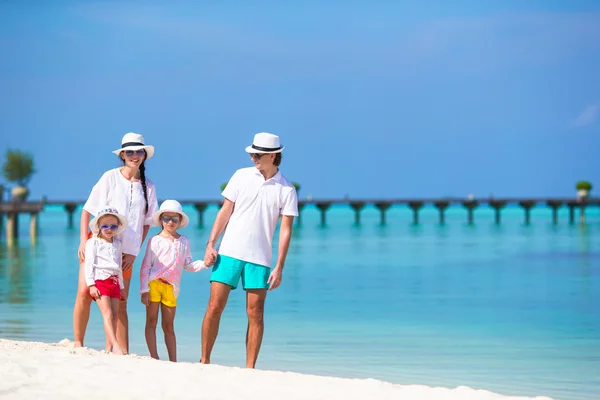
point(81, 310)
point(107, 306)
point(255, 307)
point(219, 293)
point(123, 324)
point(167, 316)
point(151, 322)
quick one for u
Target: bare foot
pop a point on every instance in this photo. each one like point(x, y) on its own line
point(118, 351)
point(77, 344)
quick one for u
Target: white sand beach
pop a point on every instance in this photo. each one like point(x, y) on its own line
point(32, 370)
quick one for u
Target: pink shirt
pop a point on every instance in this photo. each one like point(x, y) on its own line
point(166, 260)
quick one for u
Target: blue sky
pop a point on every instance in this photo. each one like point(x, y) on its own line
point(370, 98)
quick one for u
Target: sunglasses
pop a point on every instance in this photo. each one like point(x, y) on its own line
point(257, 156)
point(109, 227)
point(166, 220)
point(139, 152)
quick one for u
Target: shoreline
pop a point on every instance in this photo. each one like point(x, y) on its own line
point(34, 370)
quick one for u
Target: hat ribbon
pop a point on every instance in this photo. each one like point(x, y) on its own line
point(131, 144)
point(265, 148)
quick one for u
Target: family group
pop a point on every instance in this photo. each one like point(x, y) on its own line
point(115, 221)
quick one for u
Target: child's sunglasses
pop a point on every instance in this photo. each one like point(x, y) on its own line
point(167, 219)
point(139, 152)
point(109, 227)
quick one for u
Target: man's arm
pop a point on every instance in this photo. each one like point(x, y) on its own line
point(218, 227)
point(285, 235)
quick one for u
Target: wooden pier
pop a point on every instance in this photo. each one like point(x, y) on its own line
point(13, 209)
point(415, 205)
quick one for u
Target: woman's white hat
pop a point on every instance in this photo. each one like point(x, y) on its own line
point(108, 211)
point(171, 206)
point(265, 143)
point(135, 141)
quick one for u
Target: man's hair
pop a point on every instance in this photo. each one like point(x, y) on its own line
point(277, 160)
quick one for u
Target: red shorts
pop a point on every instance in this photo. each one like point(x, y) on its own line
point(109, 287)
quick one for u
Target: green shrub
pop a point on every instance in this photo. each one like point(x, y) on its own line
point(583, 185)
point(18, 167)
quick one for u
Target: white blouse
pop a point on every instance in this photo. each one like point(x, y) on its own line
point(128, 198)
point(102, 260)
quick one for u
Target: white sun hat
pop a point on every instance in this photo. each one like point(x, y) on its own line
point(108, 211)
point(265, 142)
point(171, 206)
point(135, 141)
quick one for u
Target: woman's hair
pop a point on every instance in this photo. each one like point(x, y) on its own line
point(142, 179)
point(277, 160)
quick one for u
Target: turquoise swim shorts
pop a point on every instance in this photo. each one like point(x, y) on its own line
point(228, 270)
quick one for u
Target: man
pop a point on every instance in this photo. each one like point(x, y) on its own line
point(255, 199)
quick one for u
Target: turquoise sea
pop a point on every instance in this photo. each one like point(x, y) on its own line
point(511, 308)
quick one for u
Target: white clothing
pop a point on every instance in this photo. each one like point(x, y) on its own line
point(258, 205)
point(166, 260)
point(128, 198)
point(102, 260)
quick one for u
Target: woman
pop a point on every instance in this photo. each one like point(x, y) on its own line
point(128, 190)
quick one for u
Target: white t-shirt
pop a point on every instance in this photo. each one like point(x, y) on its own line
point(128, 198)
point(102, 260)
point(258, 206)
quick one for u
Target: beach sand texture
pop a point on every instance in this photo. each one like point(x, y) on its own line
point(33, 370)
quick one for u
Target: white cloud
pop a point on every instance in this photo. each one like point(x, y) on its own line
point(588, 116)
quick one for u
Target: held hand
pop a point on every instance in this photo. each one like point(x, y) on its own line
point(275, 278)
point(146, 299)
point(128, 260)
point(95, 293)
point(81, 249)
point(210, 256)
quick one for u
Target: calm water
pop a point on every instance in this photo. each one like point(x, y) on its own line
point(512, 308)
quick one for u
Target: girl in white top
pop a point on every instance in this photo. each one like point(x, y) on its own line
point(128, 190)
point(167, 255)
point(103, 274)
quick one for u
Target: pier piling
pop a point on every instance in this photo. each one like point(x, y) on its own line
point(582, 205)
point(301, 205)
point(1, 213)
point(12, 228)
point(33, 228)
point(357, 206)
point(323, 206)
point(415, 206)
point(201, 207)
point(383, 206)
point(470, 206)
point(497, 205)
point(70, 207)
point(554, 205)
point(572, 205)
point(527, 205)
point(441, 205)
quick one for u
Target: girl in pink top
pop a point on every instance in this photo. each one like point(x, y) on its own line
point(167, 255)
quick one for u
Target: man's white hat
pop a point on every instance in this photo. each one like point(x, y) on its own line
point(135, 141)
point(108, 211)
point(265, 143)
point(171, 206)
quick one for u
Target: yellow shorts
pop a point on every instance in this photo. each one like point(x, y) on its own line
point(161, 292)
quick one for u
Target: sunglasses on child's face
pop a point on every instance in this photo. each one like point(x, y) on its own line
point(166, 220)
point(109, 227)
point(139, 152)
